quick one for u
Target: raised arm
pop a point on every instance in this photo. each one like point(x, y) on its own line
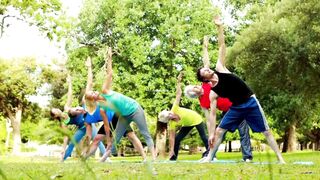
point(221, 64)
point(178, 92)
point(205, 58)
point(90, 75)
point(68, 104)
point(108, 81)
point(89, 78)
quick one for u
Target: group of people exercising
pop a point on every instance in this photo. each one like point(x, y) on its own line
point(220, 90)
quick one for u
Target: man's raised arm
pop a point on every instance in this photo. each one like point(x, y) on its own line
point(205, 58)
point(221, 62)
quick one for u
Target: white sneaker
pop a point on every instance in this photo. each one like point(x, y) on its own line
point(108, 160)
point(214, 159)
point(247, 160)
point(105, 158)
point(204, 160)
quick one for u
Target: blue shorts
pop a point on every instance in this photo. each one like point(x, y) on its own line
point(250, 111)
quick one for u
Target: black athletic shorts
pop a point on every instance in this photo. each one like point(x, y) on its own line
point(113, 126)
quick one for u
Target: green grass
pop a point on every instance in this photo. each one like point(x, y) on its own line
point(131, 168)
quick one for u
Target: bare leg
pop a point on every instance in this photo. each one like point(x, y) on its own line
point(153, 153)
point(137, 144)
point(217, 141)
point(94, 144)
point(272, 143)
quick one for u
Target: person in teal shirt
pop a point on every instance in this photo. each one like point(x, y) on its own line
point(98, 112)
point(187, 119)
point(127, 108)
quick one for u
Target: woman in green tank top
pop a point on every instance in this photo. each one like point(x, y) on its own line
point(128, 109)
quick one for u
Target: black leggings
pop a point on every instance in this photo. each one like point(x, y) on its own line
point(113, 125)
point(184, 132)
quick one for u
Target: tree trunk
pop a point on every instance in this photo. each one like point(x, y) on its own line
point(225, 148)
point(161, 138)
point(292, 139)
point(230, 146)
point(285, 142)
point(317, 148)
point(16, 122)
point(289, 143)
point(8, 132)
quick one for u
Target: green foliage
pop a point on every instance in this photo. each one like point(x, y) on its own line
point(43, 14)
point(278, 57)
point(192, 139)
point(18, 81)
point(50, 132)
point(2, 134)
point(56, 78)
point(245, 12)
point(143, 70)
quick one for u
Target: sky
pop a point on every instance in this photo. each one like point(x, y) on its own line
point(22, 40)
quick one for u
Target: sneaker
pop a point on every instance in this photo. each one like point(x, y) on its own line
point(205, 154)
point(246, 160)
point(204, 160)
point(144, 160)
point(173, 158)
point(104, 158)
point(214, 159)
point(108, 160)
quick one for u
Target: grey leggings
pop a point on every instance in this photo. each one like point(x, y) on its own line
point(139, 118)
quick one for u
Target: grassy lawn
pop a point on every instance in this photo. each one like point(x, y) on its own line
point(132, 168)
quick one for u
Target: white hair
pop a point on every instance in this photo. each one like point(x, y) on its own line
point(164, 116)
point(188, 91)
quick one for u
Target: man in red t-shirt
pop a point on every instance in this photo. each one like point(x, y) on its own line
point(223, 104)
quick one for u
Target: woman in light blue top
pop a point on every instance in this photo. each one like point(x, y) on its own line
point(128, 109)
point(72, 116)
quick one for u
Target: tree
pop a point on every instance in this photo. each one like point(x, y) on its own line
point(152, 41)
point(43, 14)
point(278, 56)
point(18, 80)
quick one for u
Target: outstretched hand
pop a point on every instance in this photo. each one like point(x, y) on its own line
point(69, 78)
point(211, 141)
point(109, 54)
point(62, 155)
point(205, 42)
point(217, 20)
point(88, 62)
point(180, 76)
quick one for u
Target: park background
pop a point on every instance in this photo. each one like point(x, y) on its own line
point(273, 45)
